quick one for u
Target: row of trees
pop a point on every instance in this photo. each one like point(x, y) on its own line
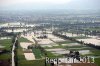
point(73, 39)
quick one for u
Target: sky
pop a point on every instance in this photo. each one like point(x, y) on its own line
point(48, 4)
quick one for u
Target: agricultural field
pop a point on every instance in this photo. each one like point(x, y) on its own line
point(52, 47)
point(83, 49)
point(6, 43)
point(5, 50)
point(22, 61)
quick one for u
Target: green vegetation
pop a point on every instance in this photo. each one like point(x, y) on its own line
point(7, 43)
point(23, 62)
point(53, 47)
point(21, 58)
point(20, 53)
point(50, 55)
point(32, 63)
point(5, 56)
point(38, 53)
point(23, 40)
point(96, 52)
point(97, 61)
point(93, 29)
point(66, 42)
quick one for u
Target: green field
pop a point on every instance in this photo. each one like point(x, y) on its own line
point(40, 55)
point(23, 62)
point(94, 52)
point(5, 56)
point(7, 43)
point(23, 40)
point(97, 61)
point(93, 29)
point(65, 42)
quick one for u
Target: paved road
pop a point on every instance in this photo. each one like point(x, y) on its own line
point(13, 54)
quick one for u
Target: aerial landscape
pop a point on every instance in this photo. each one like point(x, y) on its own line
point(49, 33)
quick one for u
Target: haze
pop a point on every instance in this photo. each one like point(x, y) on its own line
point(48, 4)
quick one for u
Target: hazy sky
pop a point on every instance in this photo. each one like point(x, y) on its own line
point(49, 4)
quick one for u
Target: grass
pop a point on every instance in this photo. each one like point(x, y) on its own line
point(20, 53)
point(50, 55)
point(38, 53)
point(66, 42)
point(53, 47)
point(32, 63)
point(7, 43)
point(5, 56)
point(21, 58)
point(97, 61)
point(23, 40)
point(23, 62)
point(93, 29)
point(96, 52)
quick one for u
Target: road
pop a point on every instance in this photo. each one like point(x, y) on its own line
point(13, 54)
